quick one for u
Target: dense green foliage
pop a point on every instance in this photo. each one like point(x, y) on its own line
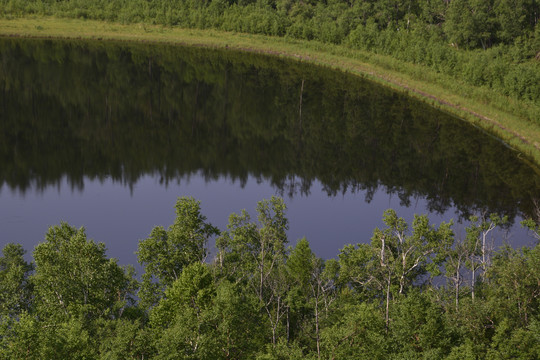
point(485, 43)
point(414, 291)
point(125, 110)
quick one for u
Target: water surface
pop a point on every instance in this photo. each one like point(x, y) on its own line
point(108, 135)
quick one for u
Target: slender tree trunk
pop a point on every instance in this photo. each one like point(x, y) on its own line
point(473, 278)
point(277, 318)
point(261, 278)
point(387, 317)
point(457, 297)
point(484, 251)
point(317, 326)
point(457, 287)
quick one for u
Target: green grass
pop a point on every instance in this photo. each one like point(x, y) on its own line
point(515, 122)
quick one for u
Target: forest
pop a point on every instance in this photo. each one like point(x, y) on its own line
point(492, 44)
point(406, 291)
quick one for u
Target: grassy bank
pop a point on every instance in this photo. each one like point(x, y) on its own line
point(511, 120)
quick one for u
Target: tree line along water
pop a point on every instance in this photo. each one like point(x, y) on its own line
point(492, 44)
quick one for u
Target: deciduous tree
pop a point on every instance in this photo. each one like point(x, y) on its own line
point(74, 277)
point(167, 252)
point(15, 289)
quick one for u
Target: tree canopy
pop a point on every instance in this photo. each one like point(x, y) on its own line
point(407, 294)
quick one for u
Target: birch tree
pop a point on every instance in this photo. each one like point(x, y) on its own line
point(255, 253)
point(401, 258)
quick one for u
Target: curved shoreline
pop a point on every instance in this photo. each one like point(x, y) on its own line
point(494, 121)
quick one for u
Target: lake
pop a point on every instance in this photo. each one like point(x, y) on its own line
point(107, 135)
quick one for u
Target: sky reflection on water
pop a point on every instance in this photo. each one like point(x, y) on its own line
point(119, 216)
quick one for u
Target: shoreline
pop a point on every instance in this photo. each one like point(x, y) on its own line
point(478, 112)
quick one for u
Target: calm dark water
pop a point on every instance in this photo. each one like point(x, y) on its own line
point(108, 135)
